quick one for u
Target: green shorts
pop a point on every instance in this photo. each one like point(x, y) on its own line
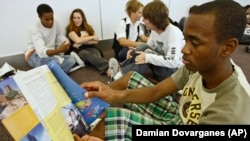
point(119, 121)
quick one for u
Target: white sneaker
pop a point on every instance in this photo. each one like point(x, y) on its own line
point(114, 67)
point(75, 68)
point(117, 76)
point(78, 59)
point(79, 62)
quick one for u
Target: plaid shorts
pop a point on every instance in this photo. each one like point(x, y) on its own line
point(119, 121)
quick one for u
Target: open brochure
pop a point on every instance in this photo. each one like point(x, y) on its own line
point(35, 105)
point(90, 109)
point(14, 108)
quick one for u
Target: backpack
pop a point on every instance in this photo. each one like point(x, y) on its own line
point(116, 45)
point(175, 23)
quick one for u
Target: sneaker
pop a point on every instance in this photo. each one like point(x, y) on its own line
point(75, 68)
point(78, 59)
point(79, 63)
point(114, 67)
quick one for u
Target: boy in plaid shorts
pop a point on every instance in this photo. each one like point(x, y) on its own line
point(214, 88)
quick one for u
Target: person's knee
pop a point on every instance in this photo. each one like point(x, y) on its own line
point(71, 60)
point(84, 53)
point(96, 52)
point(122, 56)
point(31, 63)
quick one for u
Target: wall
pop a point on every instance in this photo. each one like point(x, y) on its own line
point(109, 19)
point(103, 15)
point(17, 16)
point(179, 8)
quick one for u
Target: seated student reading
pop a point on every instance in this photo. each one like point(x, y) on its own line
point(209, 79)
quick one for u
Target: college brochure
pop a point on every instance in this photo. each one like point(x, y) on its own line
point(35, 106)
point(17, 115)
point(91, 108)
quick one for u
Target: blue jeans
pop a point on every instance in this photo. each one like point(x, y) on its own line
point(159, 72)
point(123, 54)
point(66, 65)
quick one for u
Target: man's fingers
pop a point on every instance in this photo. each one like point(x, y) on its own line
point(91, 94)
point(83, 138)
point(76, 137)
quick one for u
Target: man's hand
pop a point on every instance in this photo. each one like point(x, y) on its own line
point(131, 49)
point(140, 58)
point(86, 138)
point(63, 47)
point(101, 90)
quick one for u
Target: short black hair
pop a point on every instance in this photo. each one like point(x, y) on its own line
point(43, 8)
point(246, 7)
point(230, 18)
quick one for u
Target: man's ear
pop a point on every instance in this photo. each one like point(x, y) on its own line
point(229, 47)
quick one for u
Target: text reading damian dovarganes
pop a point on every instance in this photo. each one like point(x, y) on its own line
point(192, 131)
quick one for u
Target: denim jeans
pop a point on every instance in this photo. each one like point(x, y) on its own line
point(159, 72)
point(123, 52)
point(66, 65)
point(122, 55)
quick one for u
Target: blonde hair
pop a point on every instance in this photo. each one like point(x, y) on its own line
point(133, 6)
